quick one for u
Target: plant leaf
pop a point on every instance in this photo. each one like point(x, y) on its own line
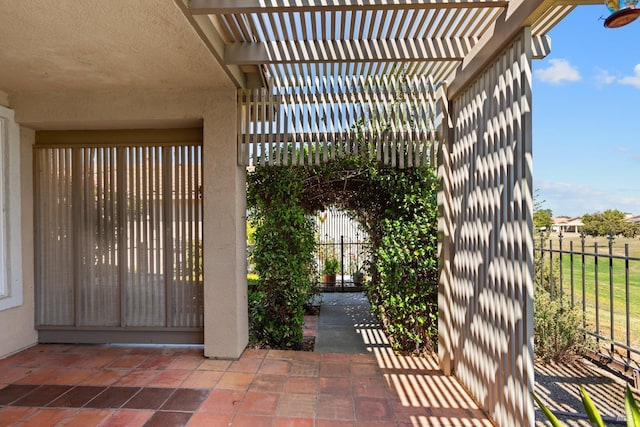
point(547, 413)
point(631, 409)
point(592, 411)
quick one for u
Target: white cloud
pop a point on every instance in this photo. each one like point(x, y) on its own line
point(574, 199)
point(559, 71)
point(605, 78)
point(633, 80)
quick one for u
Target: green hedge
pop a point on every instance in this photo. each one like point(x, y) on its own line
point(397, 207)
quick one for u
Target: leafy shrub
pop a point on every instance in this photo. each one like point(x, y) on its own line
point(404, 291)
point(397, 208)
point(283, 257)
point(557, 327)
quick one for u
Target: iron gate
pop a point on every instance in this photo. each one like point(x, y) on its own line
point(342, 239)
point(118, 236)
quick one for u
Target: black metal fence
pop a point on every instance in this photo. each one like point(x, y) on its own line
point(343, 248)
point(604, 282)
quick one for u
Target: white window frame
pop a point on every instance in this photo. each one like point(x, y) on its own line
point(11, 294)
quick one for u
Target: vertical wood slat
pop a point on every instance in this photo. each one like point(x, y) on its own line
point(486, 296)
point(319, 119)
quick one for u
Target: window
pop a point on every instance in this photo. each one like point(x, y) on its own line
point(10, 215)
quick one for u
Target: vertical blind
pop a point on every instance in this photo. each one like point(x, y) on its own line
point(118, 234)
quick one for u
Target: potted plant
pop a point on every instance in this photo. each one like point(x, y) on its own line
point(331, 267)
point(357, 277)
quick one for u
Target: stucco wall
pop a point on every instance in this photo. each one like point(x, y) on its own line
point(226, 324)
point(17, 331)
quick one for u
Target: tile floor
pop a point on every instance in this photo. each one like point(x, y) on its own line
point(94, 385)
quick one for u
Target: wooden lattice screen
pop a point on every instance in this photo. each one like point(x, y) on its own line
point(486, 290)
point(393, 120)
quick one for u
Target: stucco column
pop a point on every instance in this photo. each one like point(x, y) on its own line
point(226, 329)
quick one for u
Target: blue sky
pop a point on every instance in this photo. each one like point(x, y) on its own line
point(586, 124)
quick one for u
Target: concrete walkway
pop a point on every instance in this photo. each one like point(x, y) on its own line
point(346, 325)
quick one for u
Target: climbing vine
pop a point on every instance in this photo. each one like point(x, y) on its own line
point(398, 209)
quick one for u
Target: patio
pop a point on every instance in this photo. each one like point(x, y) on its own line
point(80, 385)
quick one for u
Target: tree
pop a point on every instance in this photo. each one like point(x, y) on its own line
point(609, 222)
point(542, 219)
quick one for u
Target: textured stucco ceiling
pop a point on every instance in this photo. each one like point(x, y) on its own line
point(78, 45)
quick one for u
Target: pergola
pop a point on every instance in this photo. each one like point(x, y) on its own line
point(460, 72)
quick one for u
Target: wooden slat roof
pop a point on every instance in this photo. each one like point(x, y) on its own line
point(292, 41)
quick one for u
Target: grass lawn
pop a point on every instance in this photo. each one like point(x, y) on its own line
point(611, 280)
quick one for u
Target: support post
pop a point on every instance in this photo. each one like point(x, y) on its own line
point(226, 330)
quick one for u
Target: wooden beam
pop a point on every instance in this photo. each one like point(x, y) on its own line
point(440, 49)
point(205, 7)
point(212, 39)
point(541, 46)
point(519, 14)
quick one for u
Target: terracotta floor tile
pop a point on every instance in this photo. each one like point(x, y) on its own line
point(72, 376)
point(222, 401)
point(293, 422)
point(113, 397)
point(157, 362)
point(205, 419)
point(297, 405)
point(369, 387)
point(46, 417)
point(342, 359)
point(202, 379)
point(252, 353)
point(169, 419)
point(169, 378)
point(185, 399)
point(13, 392)
point(373, 409)
point(333, 423)
point(11, 415)
point(280, 354)
point(252, 421)
point(333, 369)
point(305, 368)
point(103, 377)
point(97, 361)
point(364, 370)
point(248, 365)
point(259, 403)
point(301, 385)
point(235, 381)
point(334, 407)
point(86, 417)
point(38, 376)
point(77, 397)
point(376, 423)
point(137, 378)
point(305, 355)
point(42, 395)
point(276, 367)
point(363, 358)
point(128, 418)
point(13, 374)
point(128, 361)
point(336, 386)
point(214, 365)
point(149, 398)
point(186, 362)
point(268, 383)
